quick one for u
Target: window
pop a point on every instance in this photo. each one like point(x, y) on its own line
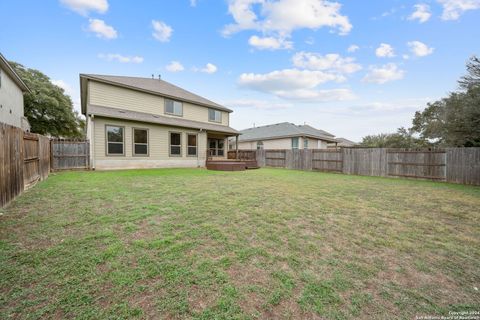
point(259, 145)
point(295, 143)
point(175, 144)
point(140, 142)
point(216, 147)
point(115, 140)
point(305, 143)
point(191, 145)
point(173, 107)
point(214, 115)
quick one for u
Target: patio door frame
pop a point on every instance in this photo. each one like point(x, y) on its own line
point(214, 151)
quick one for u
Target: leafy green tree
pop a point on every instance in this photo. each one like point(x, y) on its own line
point(453, 121)
point(403, 138)
point(472, 79)
point(48, 109)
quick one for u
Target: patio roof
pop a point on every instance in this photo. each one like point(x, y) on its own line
point(158, 119)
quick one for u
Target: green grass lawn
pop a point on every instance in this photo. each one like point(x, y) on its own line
point(268, 243)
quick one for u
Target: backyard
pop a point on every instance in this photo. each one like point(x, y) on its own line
point(267, 243)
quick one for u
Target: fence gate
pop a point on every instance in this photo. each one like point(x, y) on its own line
point(70, 154)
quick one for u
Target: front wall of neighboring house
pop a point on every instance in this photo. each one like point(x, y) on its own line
point(284, 143)
point(11, 101)
point(107, 95)
point(158, 146)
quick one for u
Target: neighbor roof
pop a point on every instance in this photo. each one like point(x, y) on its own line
point(149, 85)
point(282, 130)
point(345, 141)
point(9, 70)
point(153, 118)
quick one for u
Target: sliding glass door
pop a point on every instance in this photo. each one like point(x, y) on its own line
point(216, 147)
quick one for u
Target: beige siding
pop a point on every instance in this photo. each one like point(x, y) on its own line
point(11, 101)
point(107, 95)
point(158, 147)
point(284, 143)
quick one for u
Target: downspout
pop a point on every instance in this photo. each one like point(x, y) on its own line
point(90, 130)
point(198, 159)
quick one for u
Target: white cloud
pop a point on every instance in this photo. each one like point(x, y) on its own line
point(452, 9)
point(385, 51)
point(295, 84)
point(310, 41)
point(258, 104)
point(353, 48)
point(65, 86)
point(383, 74)
point(420, 49)
point(161, 31)
point(422, 13)
point(101, 29)
point(209, 68)
point(308, 95)
point(286, 79)
point(120, 58)
point(332, 62)
point(83, 7)
point(270, 43)
point(193, 3)
point(174, 66)
point(280, 18)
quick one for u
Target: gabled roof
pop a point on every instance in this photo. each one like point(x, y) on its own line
point(9, 70)
point(282, 130)
point(346, 142)
point(153, 118)
point(148, 85)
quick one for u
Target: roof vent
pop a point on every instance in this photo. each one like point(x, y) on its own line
point(159, 77)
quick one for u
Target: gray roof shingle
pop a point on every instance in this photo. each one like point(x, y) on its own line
point(155, 86)
point(284, 129)
point(153, 118)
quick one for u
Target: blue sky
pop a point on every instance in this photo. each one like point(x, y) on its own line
point(352, 68)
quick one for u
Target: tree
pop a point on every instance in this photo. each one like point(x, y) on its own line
point(48, 109)
point(403, 138)
point(472, 79)
point(453, 121)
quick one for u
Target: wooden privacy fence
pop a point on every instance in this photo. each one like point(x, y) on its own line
point(69, 154)
point(242, 154)
point(457, 165)
point(24, 160)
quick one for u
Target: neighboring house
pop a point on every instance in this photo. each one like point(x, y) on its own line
point(146, 123)
point(12, 89)
point(283, 135)
point(341, 143)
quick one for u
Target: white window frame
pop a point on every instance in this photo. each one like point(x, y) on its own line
point(170, 145)
point(195, 146)
point(177, 106)
point(114, 142)
point(215, 113)
point(297, 144)
point(138, 143)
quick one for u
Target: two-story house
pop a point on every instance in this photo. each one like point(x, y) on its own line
point(149, 123)
point(12, 89)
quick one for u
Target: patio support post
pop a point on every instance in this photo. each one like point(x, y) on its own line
point(236, 147)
